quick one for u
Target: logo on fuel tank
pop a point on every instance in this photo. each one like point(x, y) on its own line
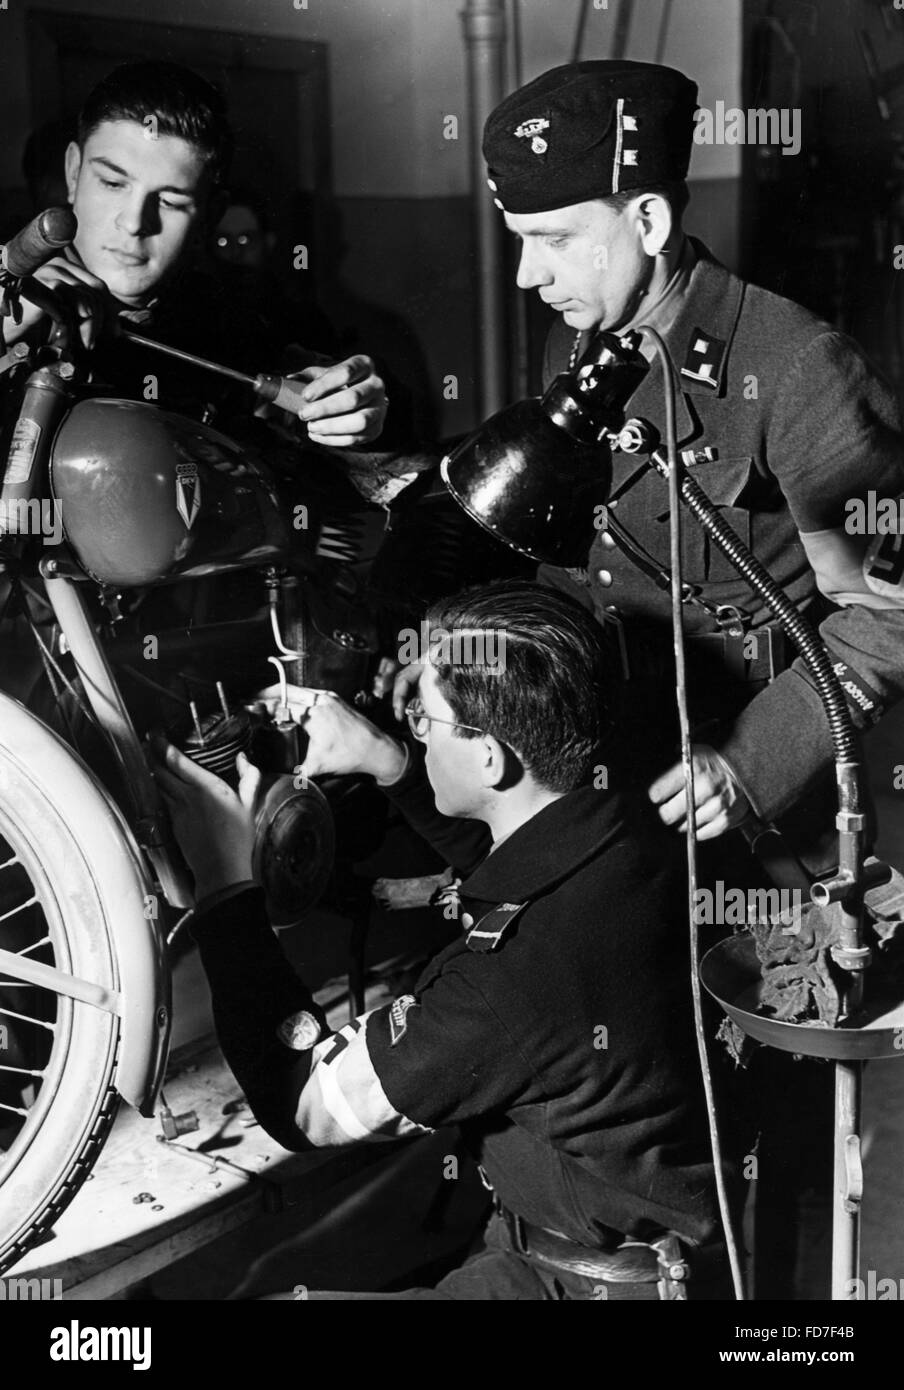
point(188, 492)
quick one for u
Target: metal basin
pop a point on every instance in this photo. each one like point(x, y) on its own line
point(731, 974)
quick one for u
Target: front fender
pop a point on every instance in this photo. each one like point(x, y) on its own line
point(125, 891)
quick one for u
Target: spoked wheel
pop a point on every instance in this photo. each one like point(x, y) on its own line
point(57, 1052)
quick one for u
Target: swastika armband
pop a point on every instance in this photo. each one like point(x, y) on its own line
point(883, 566)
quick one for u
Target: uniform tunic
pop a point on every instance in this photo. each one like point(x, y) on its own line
point(802, 426)
point(556, 1031)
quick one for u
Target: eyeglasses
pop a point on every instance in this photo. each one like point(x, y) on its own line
point(241, 239)
point(419, 721)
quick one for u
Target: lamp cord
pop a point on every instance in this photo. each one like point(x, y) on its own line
point(668, 373)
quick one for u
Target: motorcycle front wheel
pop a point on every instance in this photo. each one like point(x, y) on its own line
point(57, 1052)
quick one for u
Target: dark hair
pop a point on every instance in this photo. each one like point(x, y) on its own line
point(183, 103)
point(43, 158)
point(676, 194)
point(547, 695)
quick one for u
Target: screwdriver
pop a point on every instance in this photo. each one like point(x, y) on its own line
point(282, 391)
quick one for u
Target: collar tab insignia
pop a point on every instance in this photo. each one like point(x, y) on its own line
point(705, 356)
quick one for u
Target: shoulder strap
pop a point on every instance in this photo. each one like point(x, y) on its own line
point(489, 932)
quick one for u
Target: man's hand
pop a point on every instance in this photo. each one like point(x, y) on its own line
point(213, 825)
point(342, 741)
point(404, 685)
point(720, 803)
point(62, 289)
point(345, 404)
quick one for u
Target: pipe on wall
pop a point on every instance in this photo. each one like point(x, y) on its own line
point(485, 37)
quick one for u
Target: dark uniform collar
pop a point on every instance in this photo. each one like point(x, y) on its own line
point(710, 311)
point(548, 848)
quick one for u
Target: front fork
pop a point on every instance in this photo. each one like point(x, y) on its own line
point(148, 821)
point(47, 398)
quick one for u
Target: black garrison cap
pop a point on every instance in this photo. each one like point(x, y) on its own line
point(588, 130)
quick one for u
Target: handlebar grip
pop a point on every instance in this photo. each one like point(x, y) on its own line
point(39, 242)
point(282, 391)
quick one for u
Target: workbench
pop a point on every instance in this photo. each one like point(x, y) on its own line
point(150, 1202)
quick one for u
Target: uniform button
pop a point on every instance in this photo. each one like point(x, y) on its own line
point(613, 503)
point(604, 577)
point(611, 608)
point(607, 539)
point(467, 921)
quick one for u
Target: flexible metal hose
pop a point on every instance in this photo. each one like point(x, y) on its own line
point(805, 638)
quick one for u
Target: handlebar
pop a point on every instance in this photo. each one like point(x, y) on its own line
point(54, 229)
point(39, 242)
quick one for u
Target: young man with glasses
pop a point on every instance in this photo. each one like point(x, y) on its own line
point(556, 1031)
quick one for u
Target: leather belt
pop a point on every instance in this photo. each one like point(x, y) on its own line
point(757, 654)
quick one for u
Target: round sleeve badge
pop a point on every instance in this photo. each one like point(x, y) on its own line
point(299, 1031)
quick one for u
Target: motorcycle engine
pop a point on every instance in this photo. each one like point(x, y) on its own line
point(295, 835)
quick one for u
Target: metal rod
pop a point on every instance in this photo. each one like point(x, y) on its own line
point(212, 1162)
point(186, 357)
point(196, 721)
point(109, 707)
point(35, 972)
point(687, 763)
point(21, 908)
point(27, 1018)
point(848, 1180)
point(578, 45)
point(622, 28)
point(484, 29)
point(521, 355)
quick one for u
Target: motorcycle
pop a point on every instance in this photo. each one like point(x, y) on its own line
point(116, 516)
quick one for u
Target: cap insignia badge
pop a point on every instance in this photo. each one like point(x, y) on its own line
point(533, 128)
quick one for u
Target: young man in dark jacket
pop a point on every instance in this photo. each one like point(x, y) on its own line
point(557, 1030)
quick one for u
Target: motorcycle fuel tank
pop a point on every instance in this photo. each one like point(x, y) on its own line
point(147, 496)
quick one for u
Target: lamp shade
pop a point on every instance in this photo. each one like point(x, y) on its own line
point(531, 485)
point(537, 474)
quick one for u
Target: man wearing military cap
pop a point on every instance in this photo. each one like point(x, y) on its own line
point(788, 422)
point(587, 164)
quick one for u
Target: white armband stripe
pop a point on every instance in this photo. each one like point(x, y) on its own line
point(343, 1101)
point(837, 559)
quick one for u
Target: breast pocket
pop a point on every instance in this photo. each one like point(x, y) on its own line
point(728, 483)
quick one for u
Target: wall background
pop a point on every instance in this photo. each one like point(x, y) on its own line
point(397, 69)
